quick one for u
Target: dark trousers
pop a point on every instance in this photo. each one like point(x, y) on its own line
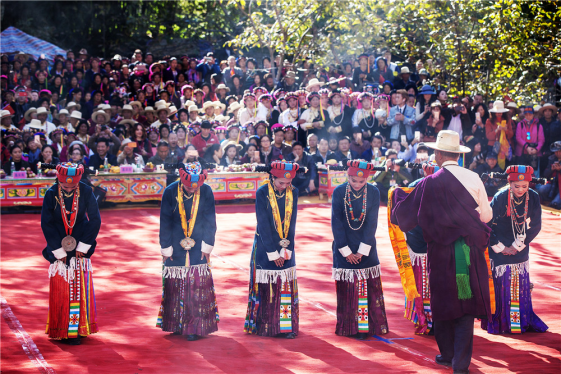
point(455, 340)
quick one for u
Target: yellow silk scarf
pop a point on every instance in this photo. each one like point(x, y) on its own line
point(401, 252)
point(283, 231)
point(504, 146)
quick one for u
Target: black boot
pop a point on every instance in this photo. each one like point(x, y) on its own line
point(362, 336)
point(290, 335)
point(439, 360)
point(192, 337)
point(71, 341)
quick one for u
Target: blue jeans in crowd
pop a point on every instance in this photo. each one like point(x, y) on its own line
point(545, 190)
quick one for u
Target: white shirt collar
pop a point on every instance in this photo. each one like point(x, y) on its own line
point(450, 162)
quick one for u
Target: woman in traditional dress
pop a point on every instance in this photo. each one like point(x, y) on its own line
point(516, 222)
point(356, 268)
point(273, 290)
point(187, 233)
point(70, 221)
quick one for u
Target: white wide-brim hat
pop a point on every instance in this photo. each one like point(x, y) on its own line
point(498, 107)
point(313, 82)
point(448, 141)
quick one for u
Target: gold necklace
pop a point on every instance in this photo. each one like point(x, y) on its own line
point(355, 195)
point(277, 195)
point(67, 194)
point(187, 196)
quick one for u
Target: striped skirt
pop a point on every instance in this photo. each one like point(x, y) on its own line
point(189, 301)
point(360, 307)
point(72, 309)
point(514, 313)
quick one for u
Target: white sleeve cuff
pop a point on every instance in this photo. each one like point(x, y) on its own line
point(519, 245)
point(59, 253)
point(167, 252)
point(364, 249)
point(286, 253)
point(273, 255)
point(206, 248)
point(345, 251)
point(83, 247)
point(498, 248)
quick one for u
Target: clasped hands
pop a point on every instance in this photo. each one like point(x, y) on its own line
point(354, 258)
point(78, 254)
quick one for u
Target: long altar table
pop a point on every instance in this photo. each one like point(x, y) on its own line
point(235, 185)
point(330, 179)
point(131, 187)
point(135, 187)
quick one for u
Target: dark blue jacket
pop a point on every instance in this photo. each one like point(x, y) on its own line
point(345, 236)
point(207, 70)
point(266, 236)
point(501, 226)
point(171, 232)
point(88, 221)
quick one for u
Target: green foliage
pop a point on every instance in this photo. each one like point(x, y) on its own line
point(502, 47)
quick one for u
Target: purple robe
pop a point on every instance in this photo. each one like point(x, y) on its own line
point(445, 211)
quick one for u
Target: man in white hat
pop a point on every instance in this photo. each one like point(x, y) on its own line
point(314, 85)
point(6, 118)
point(194, 114)
point(208, 109)
point(75, 118)
point(100, 117)
point(162, 112)
point(30, 114)
point(403, 79)
point(234, 108)
point(150, 114)
point(288, 82)
point(72, 106)
point(46, 126)
point(63, 118)
point(127, 111)
point(452, 209)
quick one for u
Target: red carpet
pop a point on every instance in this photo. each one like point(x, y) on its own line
point(128, 290)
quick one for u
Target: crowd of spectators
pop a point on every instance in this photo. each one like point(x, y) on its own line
point(141, 109)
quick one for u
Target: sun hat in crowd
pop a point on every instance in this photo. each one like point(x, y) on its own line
point(547, 106)
point(127, 107)
point(42, 110)
point(28, 113)
point(62, 111)
point(6, 114)
point(404, 70)
point(100, 112)
point(72, 104)
point(426, 90)
point(234, 106)
point(448, 141)
point(76, 114)
point(313, 82)
point(498, 107)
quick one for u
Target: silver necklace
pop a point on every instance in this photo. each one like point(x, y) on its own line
point(366, 121)
point(342, 116)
